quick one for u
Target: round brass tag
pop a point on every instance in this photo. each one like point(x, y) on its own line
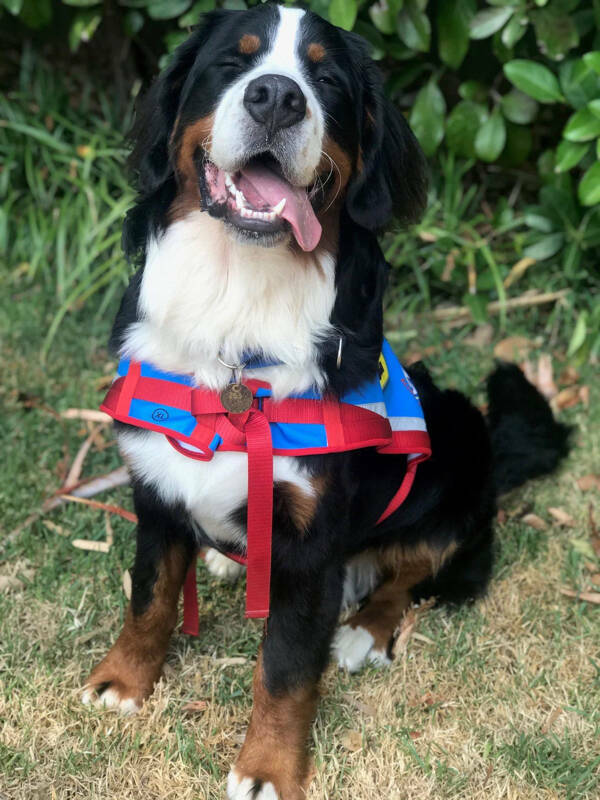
point(236, 398)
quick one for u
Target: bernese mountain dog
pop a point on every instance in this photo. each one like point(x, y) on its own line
point(267, 159)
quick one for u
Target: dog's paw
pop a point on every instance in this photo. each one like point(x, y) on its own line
point(244, 788)
point(111, 694)
point(222, 567)
point(354, 647)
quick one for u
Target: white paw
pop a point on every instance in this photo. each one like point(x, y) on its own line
point(353, 647)
point(222, 567)
point(239, 788)
point(109, 699)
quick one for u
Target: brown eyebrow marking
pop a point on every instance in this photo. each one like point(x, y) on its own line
point(316, 52)
point(248, 44)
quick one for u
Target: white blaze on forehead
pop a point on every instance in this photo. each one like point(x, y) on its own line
point(233, 127)
point(283, 54)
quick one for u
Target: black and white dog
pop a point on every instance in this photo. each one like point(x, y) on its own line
point(267, 158)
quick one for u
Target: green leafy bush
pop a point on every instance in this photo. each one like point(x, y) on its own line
point(504, 94)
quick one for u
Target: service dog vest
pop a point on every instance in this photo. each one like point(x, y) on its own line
point(384, 413)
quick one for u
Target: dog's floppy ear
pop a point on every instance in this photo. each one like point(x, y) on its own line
point(391, 177)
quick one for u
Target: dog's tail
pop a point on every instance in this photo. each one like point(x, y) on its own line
point(526, 439)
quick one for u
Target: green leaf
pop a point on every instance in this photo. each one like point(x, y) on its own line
point(594, 107)
point(83, 27)
point(579, 334)
point(167, 9)
point(13, 6)
point(133, 22)
point(373, 37)
point(192, 16)
point(518, 145)
point(546, 247)
point(453, 17)
point(81, 3)
point(592, 60)
point(598, 149)
point(473, 90)
point(462, 125)
point(582, 126)
point(427, 117)
point(538, 222)
point(36, 13)
point(414, 27)
point(568, 155)
point(588, 190)
point(383, 17)
point(235, 5)
point(555, 32)
point(488, 21)
point(343, 13)
point(579, 82)
point(514, 30)
point(534, 79)
point(477, 305)
point(519, 107)
point(491, 137)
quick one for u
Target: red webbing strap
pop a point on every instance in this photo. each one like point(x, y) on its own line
point(402, 493)
point(260, 514)
point(333, 423)
point(127, 391)
point(190, 602)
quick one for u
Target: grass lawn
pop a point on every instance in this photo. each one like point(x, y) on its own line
point(499, 700)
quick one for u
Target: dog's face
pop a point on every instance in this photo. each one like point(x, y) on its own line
point(272, 120)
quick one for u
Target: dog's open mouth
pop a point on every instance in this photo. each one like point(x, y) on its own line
point(258, 199)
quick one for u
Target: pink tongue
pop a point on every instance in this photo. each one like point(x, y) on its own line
point(262, 187)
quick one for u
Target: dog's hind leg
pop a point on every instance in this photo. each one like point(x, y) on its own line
point(368, 635)
point(165, 547)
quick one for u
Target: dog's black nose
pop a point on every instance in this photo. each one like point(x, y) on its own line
point(275, 101)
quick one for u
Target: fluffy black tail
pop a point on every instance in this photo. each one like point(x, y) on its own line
point(526, 439)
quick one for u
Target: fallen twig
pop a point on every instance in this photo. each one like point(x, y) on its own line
point(587, 597)
point(88, 414)
point(122, 512)
point(74, 473)
point(462, 312)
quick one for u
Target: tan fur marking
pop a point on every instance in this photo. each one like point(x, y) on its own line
point(196, 135)
point(248, 44)
point(275, 748)
point(134, 663)
point(405, 567)
point(316, 52)
point(300, 506)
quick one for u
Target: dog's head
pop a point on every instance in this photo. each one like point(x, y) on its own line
point(273, 120)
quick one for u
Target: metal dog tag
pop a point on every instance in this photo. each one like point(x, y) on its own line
point(236, 398)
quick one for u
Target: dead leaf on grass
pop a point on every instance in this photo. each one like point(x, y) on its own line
point(481, 336)
point(8, 583)
point(545, 377)
point(566, 398)
point(518, 270)
point(409, 624)
point(353, 741)
point(595, 579)
point(568, 377)
point(546, 727)
point(562, 517)
point(126, 581)
point(584, 395)
point(587, 597)
point(195, 707)
point(89, 414)
point(91, 545)
point(587, 482)
point(514, 348)
point(535, 522)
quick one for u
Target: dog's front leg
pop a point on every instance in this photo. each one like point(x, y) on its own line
point(165, 546)
point(273, 763)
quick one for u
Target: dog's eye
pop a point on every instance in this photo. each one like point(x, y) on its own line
point(230, 64)
point(327, 79)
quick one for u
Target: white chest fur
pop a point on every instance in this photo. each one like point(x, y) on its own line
point(204, 295)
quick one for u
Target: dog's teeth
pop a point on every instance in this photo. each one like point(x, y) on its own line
point(240, 200)
point(229, 181)
point(279, 207)
point(245, 212)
